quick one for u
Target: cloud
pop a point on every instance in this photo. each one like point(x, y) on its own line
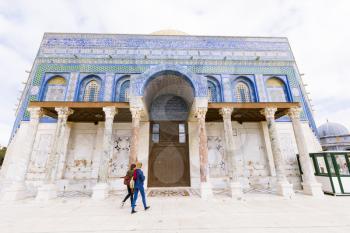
point(317, 31)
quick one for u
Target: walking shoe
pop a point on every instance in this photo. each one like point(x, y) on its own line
point(133, 212)
point(147, 207)
point(122, 204)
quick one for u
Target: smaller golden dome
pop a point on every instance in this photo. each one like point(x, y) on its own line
point(169, 32)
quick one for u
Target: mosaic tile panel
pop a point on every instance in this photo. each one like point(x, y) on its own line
point(204, 69)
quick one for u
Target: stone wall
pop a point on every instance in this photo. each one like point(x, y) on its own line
point(85, 148)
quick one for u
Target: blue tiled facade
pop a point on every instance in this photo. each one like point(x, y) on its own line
point(118, 62)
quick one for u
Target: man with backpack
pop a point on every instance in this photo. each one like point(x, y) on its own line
point(139, 179)
point(127, 179)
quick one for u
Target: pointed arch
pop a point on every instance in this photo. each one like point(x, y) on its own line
point(276, 90)
point(122, 89)
point(90, 89)
point(55, 89)
point(197, 82)
point(244, 90)
point(214, 93)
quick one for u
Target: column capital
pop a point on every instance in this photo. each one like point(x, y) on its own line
point(110, 111)
point(136, 112)
point(35, 112)
point(201, 112)
point(294, 112)
point(269, 112)
point(226, 112)
point(63, 112)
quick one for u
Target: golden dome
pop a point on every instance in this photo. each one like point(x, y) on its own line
point(169, 32)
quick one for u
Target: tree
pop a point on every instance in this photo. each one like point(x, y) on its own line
point(2, 154)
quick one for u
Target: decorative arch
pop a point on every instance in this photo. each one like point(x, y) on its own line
point(244, 90)
point(122, 89)
point(276, 90)
point(197, 82)
point(55, 89)
point(90, 89)
point(214, 93)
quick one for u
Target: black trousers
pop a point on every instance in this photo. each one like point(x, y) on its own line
point(130, 194)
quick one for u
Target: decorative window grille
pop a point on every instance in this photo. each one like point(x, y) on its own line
point(212, 92)
point(125, 92)
point(182, 133)
point(56, 88)
point(92, 91)
point(155, 133)
point(242, 92)
point(276, 90)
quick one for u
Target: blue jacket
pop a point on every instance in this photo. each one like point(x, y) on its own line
point(139, 178)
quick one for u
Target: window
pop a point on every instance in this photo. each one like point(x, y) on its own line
point(242, 92)
point(212, 93)
point(155, 133)
point(182, 133)
point(276, 90)
point(92, 91)
point(56, 88)
point(124, 91)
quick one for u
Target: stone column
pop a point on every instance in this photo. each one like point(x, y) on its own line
point(232, 167)
point(206, 187)
point(135, 132)
point(96, 157)
point(49, 190)
point(101, 189)
point(310, 185)
point(284, 188)
point(269, 153)
point(62, 153)
point(17, 190)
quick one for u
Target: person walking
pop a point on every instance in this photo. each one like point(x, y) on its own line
point(127, 178)
point(139, 179)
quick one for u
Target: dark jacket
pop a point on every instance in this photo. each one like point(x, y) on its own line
point(139, 178)
point(128, 176)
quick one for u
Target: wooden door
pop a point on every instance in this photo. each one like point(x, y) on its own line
point(169, 160)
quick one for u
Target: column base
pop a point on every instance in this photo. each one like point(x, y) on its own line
point(206, 190)
point(313, 189)
point(100, 191)
point(16, 191)
point(285, 189)
point(236, 190)
point(46, 192)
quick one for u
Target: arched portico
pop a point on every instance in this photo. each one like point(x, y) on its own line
point(197, 82)
point(168, 97)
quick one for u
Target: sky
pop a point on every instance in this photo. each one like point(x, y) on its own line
point(318, 32)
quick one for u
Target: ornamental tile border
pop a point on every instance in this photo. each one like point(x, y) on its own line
point(105, 41)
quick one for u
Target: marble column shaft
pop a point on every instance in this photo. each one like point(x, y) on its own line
point(203, 144)
point(57, 143)
point(308, 174)
point(35, 114)
point(107, 148)
point(229, 144)
point(269, 114)
point(135, 132)
point(62, 152)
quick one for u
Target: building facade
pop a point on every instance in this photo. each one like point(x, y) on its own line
point(205, 113)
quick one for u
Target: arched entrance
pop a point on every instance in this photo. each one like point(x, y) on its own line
point(168, 98)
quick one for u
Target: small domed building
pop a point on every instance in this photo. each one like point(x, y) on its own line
point(334, 137)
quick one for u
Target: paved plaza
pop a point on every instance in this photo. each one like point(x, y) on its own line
point(255, 213)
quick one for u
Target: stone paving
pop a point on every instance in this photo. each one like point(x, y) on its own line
point(255, 213)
